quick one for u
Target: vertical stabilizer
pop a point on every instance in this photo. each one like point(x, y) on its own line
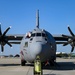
point(37, 19)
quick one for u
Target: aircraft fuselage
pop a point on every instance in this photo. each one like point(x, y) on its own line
point(38, 42)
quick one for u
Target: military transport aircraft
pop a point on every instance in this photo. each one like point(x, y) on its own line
point(37, 42)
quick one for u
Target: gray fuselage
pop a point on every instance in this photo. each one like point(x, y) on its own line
point(38, 42)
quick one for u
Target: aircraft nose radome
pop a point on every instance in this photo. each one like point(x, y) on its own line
point(36, 49)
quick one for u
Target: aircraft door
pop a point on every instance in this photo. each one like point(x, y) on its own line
point(25, 50)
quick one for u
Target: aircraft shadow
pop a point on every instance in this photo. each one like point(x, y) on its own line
point(61, 66)
point(58, 66)
point(13, 64)
point(9, 64)
point(50, 74)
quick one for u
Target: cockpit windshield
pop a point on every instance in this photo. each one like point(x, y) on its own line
point(33, 35)
point(43, 35)
point(38, 34)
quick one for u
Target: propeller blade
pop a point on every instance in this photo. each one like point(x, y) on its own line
point(4, 39)
point(68, 42)
point(2, 48)
point(0, 30)
point(71, 39)
point(65, 44)
point(6, 31)
point(72, 49)
point(70, 31)
point(7, 43)
point(66, 36)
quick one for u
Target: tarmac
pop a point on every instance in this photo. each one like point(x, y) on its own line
point(11, 66)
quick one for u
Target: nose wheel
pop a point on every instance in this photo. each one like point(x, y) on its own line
point(23, 62)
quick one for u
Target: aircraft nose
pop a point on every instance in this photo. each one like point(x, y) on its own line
point(36, 49)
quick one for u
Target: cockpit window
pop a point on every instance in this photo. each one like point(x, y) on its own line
point(43, 35)
point(33, 35)
point(38, 34)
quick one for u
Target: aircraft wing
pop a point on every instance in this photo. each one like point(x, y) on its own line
point(15, 39)
point(60, 39)
point(10, 39)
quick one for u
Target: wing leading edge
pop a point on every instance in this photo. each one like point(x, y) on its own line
point(16, 39)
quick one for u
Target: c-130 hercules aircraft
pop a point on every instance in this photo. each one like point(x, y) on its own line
point(37, 42)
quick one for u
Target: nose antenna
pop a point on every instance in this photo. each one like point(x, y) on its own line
point(37, 19)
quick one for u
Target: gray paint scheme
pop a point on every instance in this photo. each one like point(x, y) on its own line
point(45, 47)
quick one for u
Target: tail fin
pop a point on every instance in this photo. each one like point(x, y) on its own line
point(37, 19)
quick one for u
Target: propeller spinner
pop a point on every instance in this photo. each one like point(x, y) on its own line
point(4, 39)
point(71, 39)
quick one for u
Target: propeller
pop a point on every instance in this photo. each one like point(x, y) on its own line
point(3, 38)
point(71, 39)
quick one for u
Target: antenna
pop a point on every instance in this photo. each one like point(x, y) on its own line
point(37, 19)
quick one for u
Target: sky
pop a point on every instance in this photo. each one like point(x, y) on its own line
point(55, 16)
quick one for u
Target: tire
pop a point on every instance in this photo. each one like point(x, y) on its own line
point(52, 63)
point(23, 62)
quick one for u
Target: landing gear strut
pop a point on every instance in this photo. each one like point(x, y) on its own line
point(52, 63)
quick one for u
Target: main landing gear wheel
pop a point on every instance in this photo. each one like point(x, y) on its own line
point(52, 63)
point(23, 62)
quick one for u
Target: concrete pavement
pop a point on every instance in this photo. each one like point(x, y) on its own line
point(11, 66)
